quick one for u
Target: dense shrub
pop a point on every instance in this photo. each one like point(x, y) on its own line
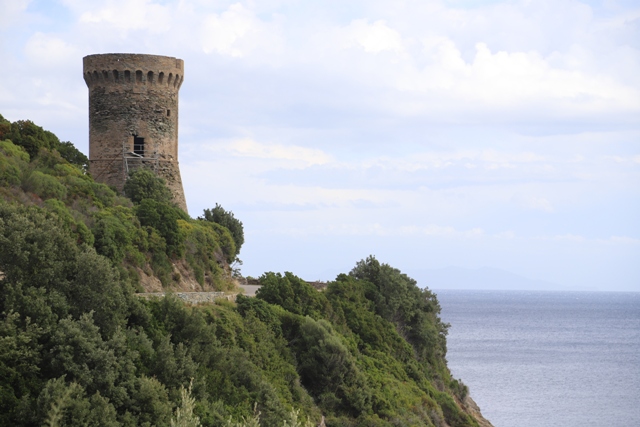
point(144, 184)
point(71, 154)
point(69, 324)
point(13, 163)
point(45, 186)
point(202, 247)
point(226, 218)
point(293, 294)
point(328, 370)
point(77, 227)
point(112, 238)
point(83, 188)
point(163, 217)
point(33, 138)
point(414, 311)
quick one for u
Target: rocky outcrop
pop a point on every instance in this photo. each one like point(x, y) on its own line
point(472, 408)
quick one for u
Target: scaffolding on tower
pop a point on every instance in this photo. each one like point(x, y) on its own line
point(139, 157)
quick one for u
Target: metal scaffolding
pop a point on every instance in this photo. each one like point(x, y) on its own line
point(134, 160)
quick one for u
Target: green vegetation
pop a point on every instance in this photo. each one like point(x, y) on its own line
point(226, 219)
point(78, 348)
point(143, 232)
point(25, 134)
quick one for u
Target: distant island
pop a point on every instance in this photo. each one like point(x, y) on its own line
point(79, 347)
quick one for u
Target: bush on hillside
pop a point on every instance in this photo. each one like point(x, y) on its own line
point(144, 184)
point(163, 217)
point(293, 294)
point(13, 163)
point(33, 138)
point(226, 218)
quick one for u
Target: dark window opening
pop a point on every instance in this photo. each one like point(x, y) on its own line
point(168, 113)
point(138, 146)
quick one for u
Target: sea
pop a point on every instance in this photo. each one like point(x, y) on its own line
point(546, 359)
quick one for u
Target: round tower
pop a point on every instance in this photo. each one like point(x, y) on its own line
point(133, 117)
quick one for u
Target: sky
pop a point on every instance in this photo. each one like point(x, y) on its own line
point(463, 136)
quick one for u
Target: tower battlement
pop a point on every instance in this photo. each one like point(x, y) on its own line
point(133, 117)
point(133, 69)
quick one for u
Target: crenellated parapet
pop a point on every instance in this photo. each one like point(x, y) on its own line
point(105, 70)
point(162, 79)
point(133, 117)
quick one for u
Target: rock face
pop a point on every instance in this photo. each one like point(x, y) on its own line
point(133, 117)
point(472, 408)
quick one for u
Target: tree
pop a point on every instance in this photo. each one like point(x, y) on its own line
point(228, 220)
point(74, 156)
point(184, 416)
point(293, 294)
point(144, 184)
point(328, 370)
point(32, 138)
point(414, 311)
point(164, 218)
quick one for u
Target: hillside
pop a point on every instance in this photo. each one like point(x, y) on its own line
point(78, 348)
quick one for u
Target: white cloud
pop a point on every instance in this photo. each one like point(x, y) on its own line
point(489, 159)
point(128, 15)
point(237, 32)
point(49, 50)
point(508, 79)
point(293, 155)
point(373, 38)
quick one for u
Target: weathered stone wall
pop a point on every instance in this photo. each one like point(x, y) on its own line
point(134, 96)
point(192, 297)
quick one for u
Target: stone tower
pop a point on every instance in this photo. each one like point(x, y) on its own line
point(133, 117)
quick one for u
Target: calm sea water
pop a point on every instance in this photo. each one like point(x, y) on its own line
point(545, 359)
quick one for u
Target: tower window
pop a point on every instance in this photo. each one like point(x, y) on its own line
point(168, 113)
point(138, 146)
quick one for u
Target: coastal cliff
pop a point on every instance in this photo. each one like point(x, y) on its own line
point(79, 346)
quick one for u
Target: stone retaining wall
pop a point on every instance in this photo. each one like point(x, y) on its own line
point(192, 297)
